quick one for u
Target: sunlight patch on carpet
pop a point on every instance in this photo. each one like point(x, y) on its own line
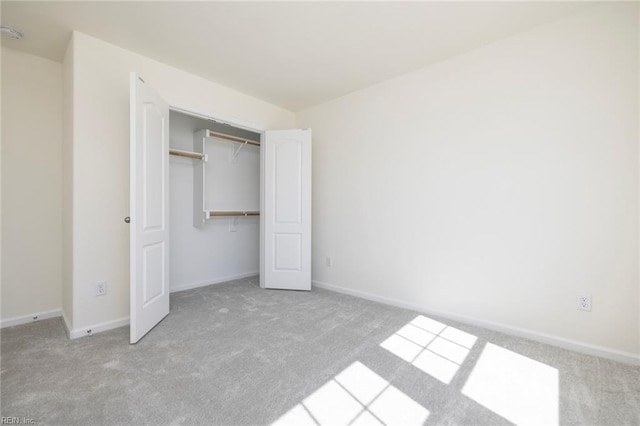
point(521, 390)
point(356, 396)
point(431, 346)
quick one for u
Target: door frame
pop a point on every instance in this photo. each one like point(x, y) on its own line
point(241, 125)
point(245, 125)
point(219, 118)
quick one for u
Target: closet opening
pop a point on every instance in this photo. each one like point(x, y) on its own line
point(214, 175)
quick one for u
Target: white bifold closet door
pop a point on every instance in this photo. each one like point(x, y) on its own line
point(149, 217)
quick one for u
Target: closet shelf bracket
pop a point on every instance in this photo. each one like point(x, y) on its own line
point(238, 149)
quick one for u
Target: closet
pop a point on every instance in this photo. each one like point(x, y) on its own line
point(210, 202)
point(214, 175)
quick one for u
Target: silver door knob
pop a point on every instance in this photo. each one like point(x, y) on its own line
point(127, 219)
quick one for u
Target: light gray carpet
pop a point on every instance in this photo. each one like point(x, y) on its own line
point(233, 354)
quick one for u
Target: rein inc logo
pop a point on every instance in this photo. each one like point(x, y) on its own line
point(17, 421)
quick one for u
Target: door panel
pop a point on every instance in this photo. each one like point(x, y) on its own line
point(287, 251)
point(288, 179)
point(152, 270)
point(286, 210)
point(149, 204)
point(152, 126)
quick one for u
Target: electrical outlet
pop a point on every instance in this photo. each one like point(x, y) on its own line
point(101, 288)
point(584, 302)
point(328, 261)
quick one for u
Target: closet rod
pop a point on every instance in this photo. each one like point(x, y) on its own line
point(221, 213)
point(187, 154)
point(213, 134)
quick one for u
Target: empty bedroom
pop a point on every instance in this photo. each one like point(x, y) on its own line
point(320, 213)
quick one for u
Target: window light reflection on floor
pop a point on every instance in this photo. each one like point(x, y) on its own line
point(517, 388)
point(431, 346)
point(356, 396)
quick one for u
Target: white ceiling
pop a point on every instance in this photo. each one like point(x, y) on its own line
point(292, 54)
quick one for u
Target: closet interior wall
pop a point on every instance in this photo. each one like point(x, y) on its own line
point(223, 248)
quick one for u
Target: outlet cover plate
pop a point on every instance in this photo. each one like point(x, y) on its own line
point(583, 302)
point(101, 288)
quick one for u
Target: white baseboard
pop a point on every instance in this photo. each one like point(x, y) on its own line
point(573, 345)
point(25, 319)
point(98, 328)
point(121, 322)
point(189, 286)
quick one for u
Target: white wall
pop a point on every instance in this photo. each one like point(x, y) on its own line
point(212, 253)
point(101, 162)
point(497, 185)
point(67, 186)
point(638, 172)
point(31, 184)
